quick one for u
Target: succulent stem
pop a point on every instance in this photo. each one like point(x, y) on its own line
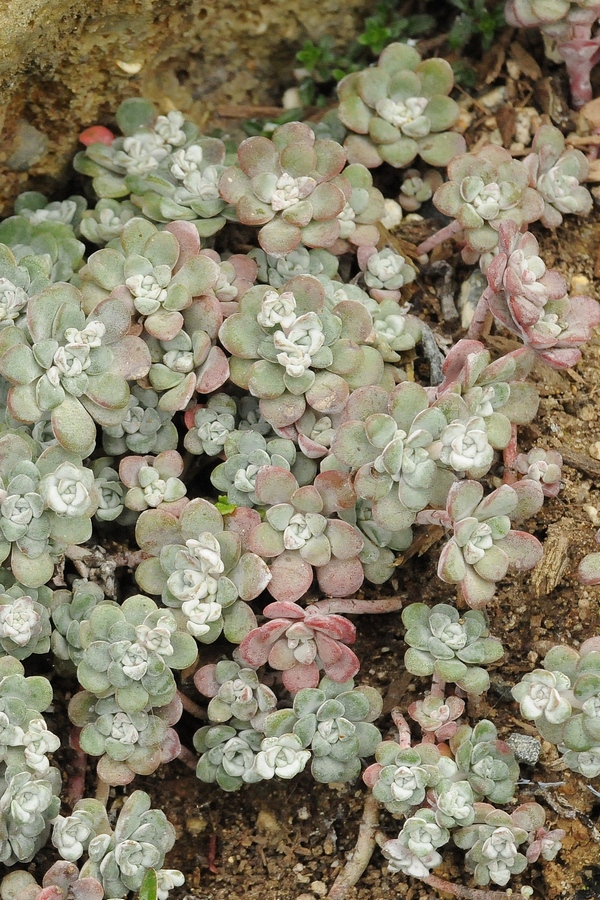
point(363, 851)
point(439, 237)
point(458, 890)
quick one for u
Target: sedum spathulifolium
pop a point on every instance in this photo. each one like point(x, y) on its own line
point(233, 394)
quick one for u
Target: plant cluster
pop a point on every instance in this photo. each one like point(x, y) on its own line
point(253, 424)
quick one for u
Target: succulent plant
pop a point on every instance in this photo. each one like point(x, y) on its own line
point(128, 744)
point(334, 721)
point(532, 302)
point(278, 270)
point(71, 835)
point(45, 506)
point(288, 185)
point(28, 803)
point(235, 692)
point(282, 756)
point(484, 189)
point(238, 272)
point(155, 273)
point(153, 482)
point(364, 209)
point(50, 245)
point(246, 453)
point(69, 610)
point(60, 882)
point(36, 208)
point(492, 841)
point(185, 185)
point(110, 490)
point(399, 109)
point(210, 424)
point(75, 367)
point(25, 621)
point(451, 647)
point(385, 272)
point(200, 569)
point(486, 762)
point(541, 465)
point(129, 651)
point(299, 643)
point(24, 736)
point(417, 188)
point(563, 700)
point(495, 391)
point(483, 546)
point(414, 852)
point(141, 838)
point(18, 282)
point(401, 776)
point(105, 222)
point(437, 715)
point(145, 428)
point(291, 351)
point(395, 332)
point(385, 440)
point(227, 755)
point(557, 174)
point(297, 537)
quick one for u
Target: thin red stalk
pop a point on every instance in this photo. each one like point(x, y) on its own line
point(439, 237)
point(479, 316)
point(76, 784)
point(404, 735)
point(186, 756)
point(458, 890)
point(362, 853)
point(509, 456)
point(353, 607)
point(192, 708)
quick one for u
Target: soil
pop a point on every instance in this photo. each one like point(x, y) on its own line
point(288, 841)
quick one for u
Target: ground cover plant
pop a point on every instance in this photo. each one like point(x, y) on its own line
point(267, 431)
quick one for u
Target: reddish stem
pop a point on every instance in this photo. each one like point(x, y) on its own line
point(362, 853)
point(404, 735)
point(353, 607)
point(187, 757)
point(439, 237)
point(76, 784)
point(458, 890)
point(212, 854)
point(509, 455)
point(192, 708)
point(480, 315)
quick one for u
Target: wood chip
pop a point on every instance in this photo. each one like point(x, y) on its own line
point(591, 112)
point(525, 61)
point(580, 461)
point(425, 539)
point(548, 573)
point(506, 120)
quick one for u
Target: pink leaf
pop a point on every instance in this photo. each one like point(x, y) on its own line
point(340, 577)
point(339, 662)
point(301, 677)
point(292, 577)
point(205, 680)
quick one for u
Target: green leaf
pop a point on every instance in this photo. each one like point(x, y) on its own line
point(149, 886)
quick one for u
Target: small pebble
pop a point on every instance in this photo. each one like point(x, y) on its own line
point(319, 887)
point(303, 813)
point(594, 450)
point(526, 748)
